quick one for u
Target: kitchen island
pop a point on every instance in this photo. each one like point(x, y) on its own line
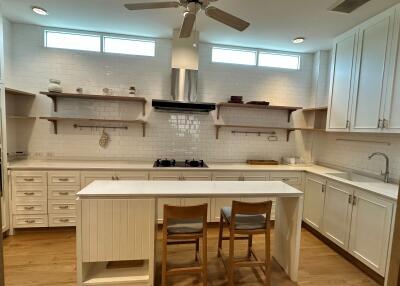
point(116, 221)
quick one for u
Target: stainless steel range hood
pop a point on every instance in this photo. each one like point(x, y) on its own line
point(184, 77)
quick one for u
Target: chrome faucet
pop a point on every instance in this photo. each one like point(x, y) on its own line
point(386, 173)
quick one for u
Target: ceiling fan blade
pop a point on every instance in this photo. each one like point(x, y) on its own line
point(227, 19)
point(152, 5)
point(187, 25)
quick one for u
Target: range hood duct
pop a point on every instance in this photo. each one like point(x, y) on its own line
point(184, 78)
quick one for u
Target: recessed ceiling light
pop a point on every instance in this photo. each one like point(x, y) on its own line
point(299, 40)
point(40, 11)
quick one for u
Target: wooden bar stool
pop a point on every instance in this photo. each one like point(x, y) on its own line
point(246, 220)
point(185, 225)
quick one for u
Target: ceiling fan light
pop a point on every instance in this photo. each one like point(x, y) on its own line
point(40, 11)
point(298, 40)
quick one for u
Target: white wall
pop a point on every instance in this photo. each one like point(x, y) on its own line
point(168, 135)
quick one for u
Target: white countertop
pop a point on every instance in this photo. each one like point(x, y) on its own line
point(188, 189)
point(387, 190)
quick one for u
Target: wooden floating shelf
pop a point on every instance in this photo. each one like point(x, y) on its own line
point(55, 95)
point(310, 129)
point(289, 109)
point(20, 117)
point(55, 120)
point(323, 108)
point(11, 91)
point(287, 129)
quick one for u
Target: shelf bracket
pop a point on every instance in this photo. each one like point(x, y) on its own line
point(55, 106)
point(218, 111)
point(290, 114)
point(144, 129)
point(144, 108)
point(217, 132)
point(54, 126)
point(288, 134)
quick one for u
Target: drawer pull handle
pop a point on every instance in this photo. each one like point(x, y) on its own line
point(29, 208)
point(63, 207)
point(29, 193)
point(29, 179)
point(285, 179)
point(63, 193)
point(30, 221)
point(64, 220)
point(63, 179)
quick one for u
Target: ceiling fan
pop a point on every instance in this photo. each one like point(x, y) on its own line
point(192, 7)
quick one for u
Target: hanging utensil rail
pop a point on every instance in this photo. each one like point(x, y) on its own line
point(100, 126)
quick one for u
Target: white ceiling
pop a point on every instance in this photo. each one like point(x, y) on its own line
point(274, 23)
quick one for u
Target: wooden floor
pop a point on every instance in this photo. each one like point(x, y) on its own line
point(47, 258)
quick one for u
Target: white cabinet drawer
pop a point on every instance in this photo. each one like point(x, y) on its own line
point(25, 221)
point(57, 220)
point(227, 176)
point(63, 192)
point(62, 206)
point(32, 207)
point(21, 178)
point(63, 178)
point(290, 178)
point(29, 193)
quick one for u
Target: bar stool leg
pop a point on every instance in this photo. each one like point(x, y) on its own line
point(231, 271)
point(197, 250)
point(164, 258)
point(221, 232)
point(250, 246)
point(267, 259)
point(204, 262)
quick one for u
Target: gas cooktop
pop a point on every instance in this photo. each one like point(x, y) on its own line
point(166, 163)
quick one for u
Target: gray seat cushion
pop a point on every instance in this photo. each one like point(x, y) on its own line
point(245, 222)
point(182, 226)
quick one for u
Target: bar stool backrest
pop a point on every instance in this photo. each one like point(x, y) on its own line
point(188, 213)
point(243, 208)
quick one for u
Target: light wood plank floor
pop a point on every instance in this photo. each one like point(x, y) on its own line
point(47, 258)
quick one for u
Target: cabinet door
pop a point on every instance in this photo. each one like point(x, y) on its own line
point(132, 175)
point(342, 75)
point(91, 176)
point(227, 176)
point(196, 176)
point(255, 176)
point(165, 176)
point(293, 179)
point(392, 103)
point(314, 199)
point(370, 230)
point(372, 73)
point(337, 213)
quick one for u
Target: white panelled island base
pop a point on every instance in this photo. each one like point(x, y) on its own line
point(116, 223)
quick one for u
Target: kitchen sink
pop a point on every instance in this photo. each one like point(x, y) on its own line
point(353, 177)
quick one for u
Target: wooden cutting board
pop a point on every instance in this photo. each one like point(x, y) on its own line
point(262, 162)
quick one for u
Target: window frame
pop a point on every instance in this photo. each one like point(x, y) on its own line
point(298, 56)
point(102, 37)
point(72, 32)
point(126, 38)
point(258, 52)
point(236, 49)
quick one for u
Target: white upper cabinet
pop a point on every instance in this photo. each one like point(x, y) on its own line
point(372, 73)
point(1, 46)
point(391, 118)
point(344, 54)
point(364, 93)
